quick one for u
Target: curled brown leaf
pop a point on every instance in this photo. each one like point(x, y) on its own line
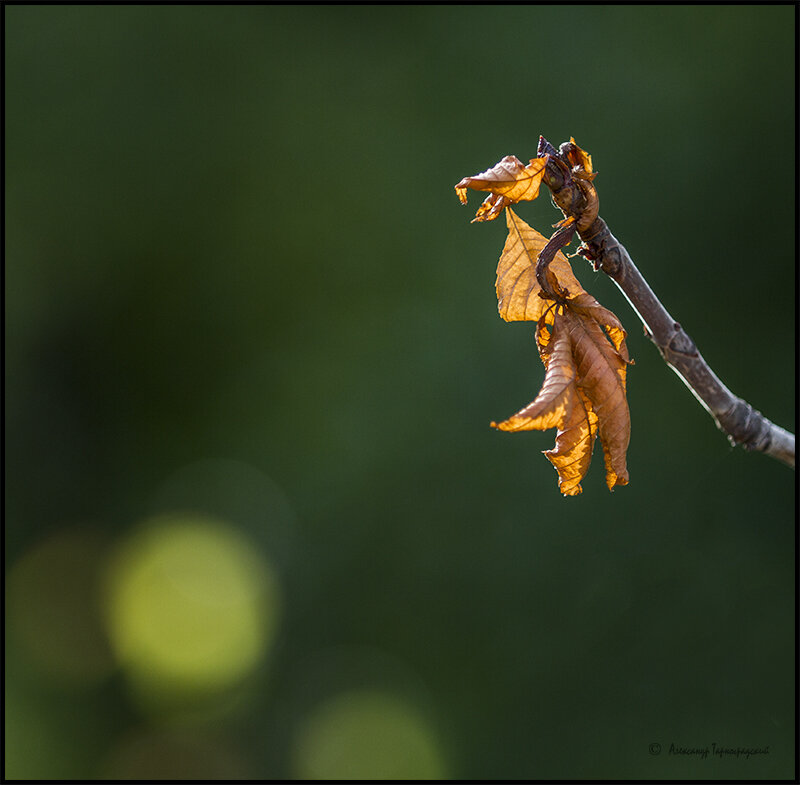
point(580, 160)
point(574, 444)
point(601, 370)
point(508, 181)
point(553, 404)
point(583, 396)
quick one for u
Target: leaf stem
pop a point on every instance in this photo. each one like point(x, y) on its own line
point(559, 239)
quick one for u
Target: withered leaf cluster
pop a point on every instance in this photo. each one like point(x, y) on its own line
point(580, 343)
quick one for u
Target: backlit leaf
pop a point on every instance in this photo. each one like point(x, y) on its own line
point(508, 181)
point(553, 404)
point(581, 343)
point(580, 159)
point(574, 443)
point(517, 289)
point(601, 373)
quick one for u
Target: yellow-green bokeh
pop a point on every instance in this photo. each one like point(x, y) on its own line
point(367, 734)
point(191, 605)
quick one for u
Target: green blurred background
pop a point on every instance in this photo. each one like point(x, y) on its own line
point(257, 524)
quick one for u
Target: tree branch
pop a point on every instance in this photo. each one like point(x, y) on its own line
point(735, 417)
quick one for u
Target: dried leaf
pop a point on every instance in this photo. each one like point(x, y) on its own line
point(508, 181)
point(581, 343)
point(583, 395)
point(585, 305)
point(601, 375)
point(580, 159)
point(517, 289)
point(574, 444)
point(553, 404)
point(490, 208)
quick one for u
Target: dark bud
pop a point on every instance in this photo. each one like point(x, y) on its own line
point(545, 148)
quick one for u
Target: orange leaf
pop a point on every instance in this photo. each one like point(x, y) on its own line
point(585, 305)
point(553, 404)
point(581, 159)
point(508, 182)
point(574, 444)
point(583, 395)
point(601, 375)
point(517, 289)
point(490, 208)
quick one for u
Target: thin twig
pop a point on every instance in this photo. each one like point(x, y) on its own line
point(734, 416)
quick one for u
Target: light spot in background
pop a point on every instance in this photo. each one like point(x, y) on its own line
point(366, 734)
point(146, 754)
point(54, 620)
point(192, 607)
